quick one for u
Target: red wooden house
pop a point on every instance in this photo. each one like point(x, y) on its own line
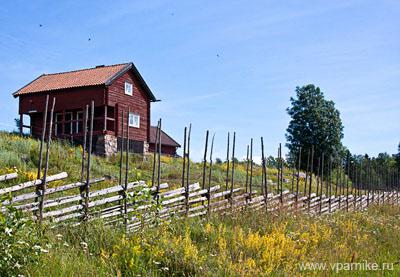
point(168, 145)
point(113, 89)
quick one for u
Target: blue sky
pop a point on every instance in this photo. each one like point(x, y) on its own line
point(221, 65)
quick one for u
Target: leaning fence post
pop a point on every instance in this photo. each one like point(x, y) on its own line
point(188, 170)
point(203, 185)
point(281, 174)
point(46, 168)
point(84, 142)
point(84, 130)
point(251, 170)
point(184, 158)
point(322, 182)
point(227, 164)
point(308, 167)
point(330, 182)
point(311, 174)
point(121, 156)
point(233, 167)
point(159, 164)
point(41, 145)
point(209, 178)
point(298, 176)
point(87, 186)
point(264, 175)
point(43, 136)
point(247, 169)
point(126, 170)
point(155, 155)
point(347, 183)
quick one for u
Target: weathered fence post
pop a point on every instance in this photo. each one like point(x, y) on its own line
point(155, 156)
point(159, 163)
point(126, 170)
point(227, 164)
point(247, 169)
point(264, 175)
point(281, 176)
point(233, 168)
point(251, 170)
point(184, 157)
point(322, 182)
point(347, 183)
point(203, 183)
point(209, 178)
point(298, 176)
point(121, 149)
point(311, 174)
point(330, 183)
point(43, 136)
point(318, 178)
point(308, 167)
point(87, 186)
point(84, 142)
point(46, 168)
point(188, 169)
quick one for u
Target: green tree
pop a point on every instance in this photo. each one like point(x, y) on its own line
point(314, 121)
point(398, 157)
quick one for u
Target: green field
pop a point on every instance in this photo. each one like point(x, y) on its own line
point(245, 244)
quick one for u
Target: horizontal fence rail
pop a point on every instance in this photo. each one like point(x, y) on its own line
point(62, 206)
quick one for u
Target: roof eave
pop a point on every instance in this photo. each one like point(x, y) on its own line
point(15, 94)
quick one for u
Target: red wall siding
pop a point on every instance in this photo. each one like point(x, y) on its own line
point(138, 103)
point(65, 99)
point(165, 149)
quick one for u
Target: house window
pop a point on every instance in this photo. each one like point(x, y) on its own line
point(128, 88)
point(79, 122)
point(134, 120)
point(68, 123)
point(58, 124)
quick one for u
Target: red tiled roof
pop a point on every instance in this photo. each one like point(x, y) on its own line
point(72, 79)
point(165, 139)
point(98, 75)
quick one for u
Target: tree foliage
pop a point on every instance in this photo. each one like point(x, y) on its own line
point(314, 121)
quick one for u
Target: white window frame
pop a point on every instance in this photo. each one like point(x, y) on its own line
point(71, 122)
point(128, 85)
point(56, 122)
point(132, 124)
point(77, 122)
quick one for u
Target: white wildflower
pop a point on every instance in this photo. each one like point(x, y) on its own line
point(8, 231)
point(84, 244)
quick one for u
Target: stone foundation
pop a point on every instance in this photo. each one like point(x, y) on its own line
point(146, 147)
point(106, 145)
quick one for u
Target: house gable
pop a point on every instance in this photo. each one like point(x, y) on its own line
point(138, 103)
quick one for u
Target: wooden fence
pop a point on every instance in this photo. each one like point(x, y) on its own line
point(119, 204)
point(135, 204)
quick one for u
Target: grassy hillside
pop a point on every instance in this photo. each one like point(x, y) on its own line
point(21, 153)
point(244, 244)
point(248, 244)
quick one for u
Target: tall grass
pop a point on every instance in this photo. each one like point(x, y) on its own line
point(247, 244)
